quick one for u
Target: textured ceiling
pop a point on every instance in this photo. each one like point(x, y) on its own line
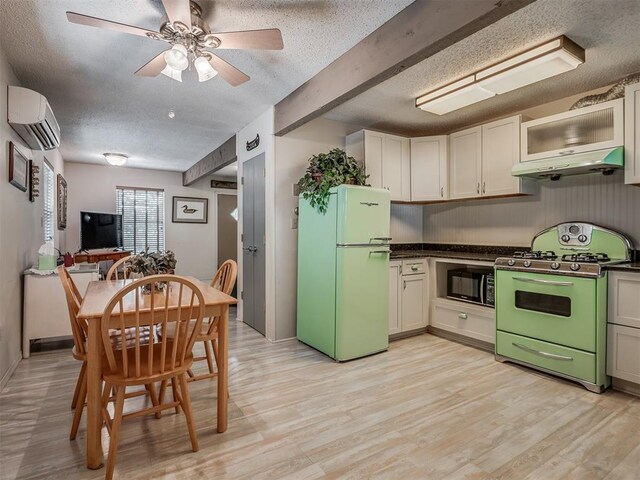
point(609, 31)
point(87, 73)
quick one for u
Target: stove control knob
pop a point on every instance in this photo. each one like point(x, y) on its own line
point(574, 266)
point(565, 238)
point(511, 262)
point(527, 263)
point(582, 238)
point(555, 265)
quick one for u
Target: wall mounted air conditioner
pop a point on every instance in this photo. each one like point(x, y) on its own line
point(30, 115)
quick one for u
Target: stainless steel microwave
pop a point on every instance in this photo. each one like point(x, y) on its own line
point(475, 285)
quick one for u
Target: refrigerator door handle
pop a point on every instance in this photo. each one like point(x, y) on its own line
point(369, 204)
point(379, 251)
point(360, 245)
point(383, 239)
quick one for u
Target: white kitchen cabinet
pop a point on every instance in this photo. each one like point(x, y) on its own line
point(465, 163)
point(429, 169)
point(414, 305)
point(596, 127)
point(481, 158)
point(464, 319)
point(500, 153)
point(623, 352)
point(395, 267)
point(632, 134)
point(386, 159)
point(624, 299)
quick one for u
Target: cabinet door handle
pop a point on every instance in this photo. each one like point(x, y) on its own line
point(462, 316)
point(484, 189)
point(404, 284)
point(442, 192)
point(566, 152)
point(414, 268)
point(478, 188)
point(541, 353)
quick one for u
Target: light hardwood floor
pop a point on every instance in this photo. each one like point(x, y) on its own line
point(426, 409)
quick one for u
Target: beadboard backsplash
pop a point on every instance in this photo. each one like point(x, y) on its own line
point(406, 223)
point(597, 199)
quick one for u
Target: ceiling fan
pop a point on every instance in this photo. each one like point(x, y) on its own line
point(192, 42)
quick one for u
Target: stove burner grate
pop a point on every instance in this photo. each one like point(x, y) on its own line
point(586, 257)
point(538, 254)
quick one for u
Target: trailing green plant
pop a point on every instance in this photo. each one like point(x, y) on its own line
point(328, 170)
point(153, 263)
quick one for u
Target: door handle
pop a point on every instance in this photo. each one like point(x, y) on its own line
point(484, 189)
point(566, 152)
point(462, 316)
point(543, 282)
point(251, 249)
point(542, 354)
point(382, 239)
point(478, 188)
point(442, 192)
point(404, 284)
point(378, 251)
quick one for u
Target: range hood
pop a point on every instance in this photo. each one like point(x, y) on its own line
point(598, 161)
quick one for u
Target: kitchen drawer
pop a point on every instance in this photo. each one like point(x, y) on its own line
point(465, 320)
point(624, 299)
point(565, 360)
point(414, 267)
point(623, 353)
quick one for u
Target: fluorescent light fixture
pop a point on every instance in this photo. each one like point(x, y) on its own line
point(455, 99)
point(538, 63)
point(172, 73)
point(204, 69)
point(116, 159)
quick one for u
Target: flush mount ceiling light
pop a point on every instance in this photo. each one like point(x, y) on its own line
point(115, 159)
point(538, 63)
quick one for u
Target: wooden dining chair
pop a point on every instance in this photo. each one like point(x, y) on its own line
point(224, 280)
point(79, 330)
point(120, 270)
point(180, 306)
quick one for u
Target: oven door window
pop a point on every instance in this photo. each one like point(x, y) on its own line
point(542, 302)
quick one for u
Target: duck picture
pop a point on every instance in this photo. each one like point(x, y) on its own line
point(186, 209)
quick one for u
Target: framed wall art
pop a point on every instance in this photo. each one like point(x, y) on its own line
point(62, 202)
point(190, 210)
point(18, 168)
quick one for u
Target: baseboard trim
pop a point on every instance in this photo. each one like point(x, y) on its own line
point(288, 339)
point(455, 337)
point(410, 333)
point(625, 386)
point(9, 373)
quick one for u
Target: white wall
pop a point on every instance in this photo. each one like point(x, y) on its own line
point(93, 188)
point(21, 231)
point(593, 198)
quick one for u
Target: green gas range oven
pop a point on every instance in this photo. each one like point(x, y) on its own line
point(551, 302)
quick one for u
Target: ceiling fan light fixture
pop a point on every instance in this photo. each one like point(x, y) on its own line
point(172, 73)
point(177, 58)
point(116, 159)
point(204, 69)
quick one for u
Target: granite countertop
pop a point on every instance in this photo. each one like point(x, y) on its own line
point(480, 257)
point(480, 253)
point(626, 267)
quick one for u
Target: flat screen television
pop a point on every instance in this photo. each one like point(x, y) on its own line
point(100, 230)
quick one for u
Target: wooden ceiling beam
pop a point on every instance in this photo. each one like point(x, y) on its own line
point(421, 30)
point(222, 156)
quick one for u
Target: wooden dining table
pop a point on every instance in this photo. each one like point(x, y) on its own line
point(94, 303)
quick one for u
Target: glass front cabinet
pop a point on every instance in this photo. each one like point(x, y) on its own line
point(582, 130)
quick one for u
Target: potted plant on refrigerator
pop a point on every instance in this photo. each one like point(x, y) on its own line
point(328, 170)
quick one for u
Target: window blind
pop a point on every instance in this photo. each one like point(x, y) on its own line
point(48, 213)
point(142, 211)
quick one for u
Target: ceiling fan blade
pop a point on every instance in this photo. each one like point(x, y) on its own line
point(178, 11)
point(153, 67)
point(101, 23)
point(268, 39)
point(228, 72)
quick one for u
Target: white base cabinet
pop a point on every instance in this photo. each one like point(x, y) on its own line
point(464, 319)
point(623, 330)
point(408, 295)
